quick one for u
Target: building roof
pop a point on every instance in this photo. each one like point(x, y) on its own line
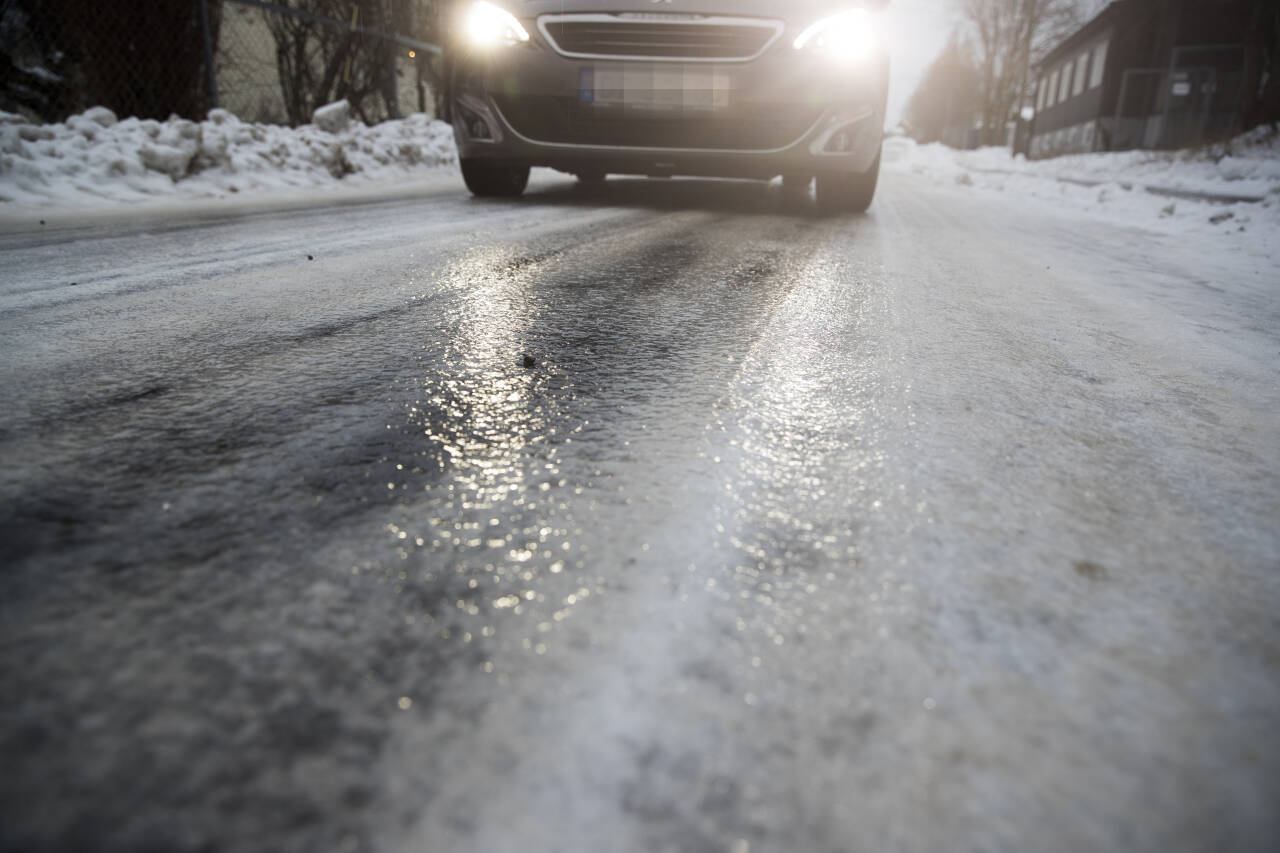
point(1097, 24)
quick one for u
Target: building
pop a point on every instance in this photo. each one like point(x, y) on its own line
point(1143, 74)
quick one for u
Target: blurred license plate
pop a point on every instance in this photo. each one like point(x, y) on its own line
point(674, 88)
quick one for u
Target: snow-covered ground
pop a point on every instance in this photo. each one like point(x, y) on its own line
point(95, 160)
point(951, 527)
point(1200, 194)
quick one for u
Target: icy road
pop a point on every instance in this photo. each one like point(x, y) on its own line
point(669, 517)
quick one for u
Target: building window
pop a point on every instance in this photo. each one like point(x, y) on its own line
point(1052, 90)
point(1065, 89)
point(1082, 64)
point(1099, 60)
point(1040, 93)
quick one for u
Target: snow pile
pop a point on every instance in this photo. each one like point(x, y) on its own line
point(1231, 189)
point(1247, 166)
point(95, 158)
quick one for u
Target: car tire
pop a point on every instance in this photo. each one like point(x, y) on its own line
point(848, 192)
point(494, 180)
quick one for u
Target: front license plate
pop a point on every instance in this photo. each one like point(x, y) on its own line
point(657, 88)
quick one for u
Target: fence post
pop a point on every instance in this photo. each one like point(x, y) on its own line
point(210, 72)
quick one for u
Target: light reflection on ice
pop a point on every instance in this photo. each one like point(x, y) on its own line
point(740, 556)
point(488, 457)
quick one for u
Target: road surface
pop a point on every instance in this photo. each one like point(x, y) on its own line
point(664, 517)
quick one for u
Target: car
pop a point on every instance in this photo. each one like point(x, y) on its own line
point(713, 88)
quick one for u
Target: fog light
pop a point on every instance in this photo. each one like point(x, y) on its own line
point(843, 133)
point(476, 127)
point(840, 143)
point(477, 121)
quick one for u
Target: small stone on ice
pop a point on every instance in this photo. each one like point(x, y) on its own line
point(527, 361)
point(310, 258)
point(1090, 569)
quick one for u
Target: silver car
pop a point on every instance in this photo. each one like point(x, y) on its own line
point(724, 88)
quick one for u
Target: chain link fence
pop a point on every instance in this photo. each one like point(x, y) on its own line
point(277, 64)
point(264, 61)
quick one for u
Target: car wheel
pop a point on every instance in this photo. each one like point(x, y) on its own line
point(848, 192)
point(494, 179)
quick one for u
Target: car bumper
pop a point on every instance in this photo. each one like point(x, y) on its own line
point(780, 113)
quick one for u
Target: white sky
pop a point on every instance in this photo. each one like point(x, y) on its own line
point(917, 31)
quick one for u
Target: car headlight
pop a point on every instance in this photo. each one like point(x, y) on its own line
point(848, 37)
point(487, 25)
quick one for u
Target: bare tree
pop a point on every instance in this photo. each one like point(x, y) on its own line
point(314, 55)
point(948, 95)
point(338, 49)
point(1008, 36)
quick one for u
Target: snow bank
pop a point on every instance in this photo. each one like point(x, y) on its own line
point(93, 158)
point(1246, 166)
point(1180, 192)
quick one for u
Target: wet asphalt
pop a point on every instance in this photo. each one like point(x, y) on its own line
point(669, 516)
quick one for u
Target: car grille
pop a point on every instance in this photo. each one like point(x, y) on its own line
point(722, 39)
point(565, 120)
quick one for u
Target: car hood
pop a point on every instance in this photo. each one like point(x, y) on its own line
point(790, 10)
